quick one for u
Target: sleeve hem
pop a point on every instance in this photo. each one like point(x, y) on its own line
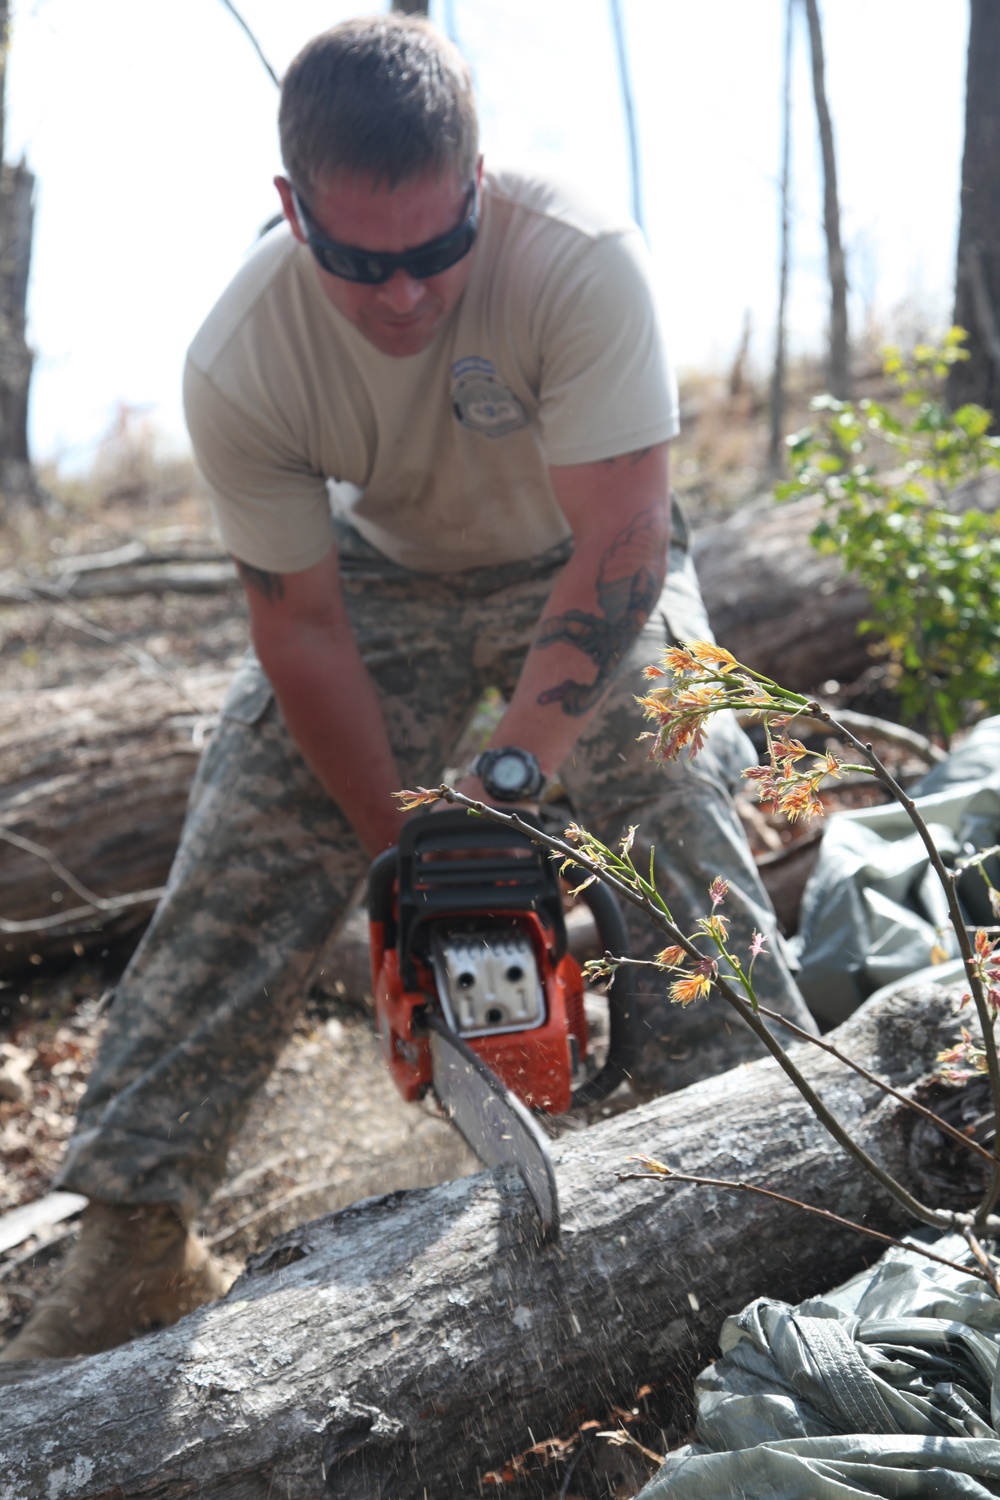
point(613, 446)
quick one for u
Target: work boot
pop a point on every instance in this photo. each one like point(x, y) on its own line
point(134, 1267)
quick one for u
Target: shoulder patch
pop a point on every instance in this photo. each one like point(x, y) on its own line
point(482, 401)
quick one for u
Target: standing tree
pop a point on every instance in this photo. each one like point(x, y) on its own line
point(839, 376)
point(778, 374)
point(977, 279)
point(16, 222)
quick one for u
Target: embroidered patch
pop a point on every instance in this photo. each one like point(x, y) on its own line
point(482, 401)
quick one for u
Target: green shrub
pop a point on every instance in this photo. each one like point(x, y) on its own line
point(932, 573)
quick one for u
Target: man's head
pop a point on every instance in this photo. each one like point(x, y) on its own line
point(384, 97)
point(381, 146)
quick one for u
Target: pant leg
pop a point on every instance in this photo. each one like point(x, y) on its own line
point(684, 810)
point(266, 866)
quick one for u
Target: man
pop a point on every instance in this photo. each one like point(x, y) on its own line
point(474, 364)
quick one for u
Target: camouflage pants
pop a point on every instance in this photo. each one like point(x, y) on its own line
point(268, 864)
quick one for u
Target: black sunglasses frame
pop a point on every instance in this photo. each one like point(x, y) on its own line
point(372, 267)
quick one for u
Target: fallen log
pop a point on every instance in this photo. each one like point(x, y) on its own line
point(94, 782)
point(127, 583)
point(782, 607)
point(405, 1346)
point(96, 777)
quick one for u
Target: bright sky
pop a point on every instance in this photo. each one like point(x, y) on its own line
point(150, 125)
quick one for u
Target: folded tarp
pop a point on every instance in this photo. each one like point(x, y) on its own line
point(873, 911)
point(885, 1387)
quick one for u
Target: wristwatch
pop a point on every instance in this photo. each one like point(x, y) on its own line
point(509, 774)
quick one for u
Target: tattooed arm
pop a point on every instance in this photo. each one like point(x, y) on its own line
point(619, 512)
point(306, 646)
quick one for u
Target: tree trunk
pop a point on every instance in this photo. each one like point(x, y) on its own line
point(628, 105)
point(839, 372)
point(977, 276)
point(16, 226)
point(775, 461)
point(408, 1345)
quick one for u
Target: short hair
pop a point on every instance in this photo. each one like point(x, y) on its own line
point(383, 96)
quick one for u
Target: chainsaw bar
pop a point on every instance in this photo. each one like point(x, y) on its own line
point(495, 1124)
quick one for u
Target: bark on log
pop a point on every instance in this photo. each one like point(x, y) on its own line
point(99, 776)
point(404, 1346)
point(780, 606)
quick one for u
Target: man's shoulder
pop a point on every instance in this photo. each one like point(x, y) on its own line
point(265, 279)
point(559, 205)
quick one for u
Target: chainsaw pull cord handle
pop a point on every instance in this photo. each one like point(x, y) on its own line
point(623, 997)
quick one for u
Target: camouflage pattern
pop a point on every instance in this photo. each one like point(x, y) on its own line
point(268, 865)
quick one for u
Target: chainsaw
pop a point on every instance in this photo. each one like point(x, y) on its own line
point(477, 996)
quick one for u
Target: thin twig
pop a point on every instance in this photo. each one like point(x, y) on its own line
point(887, 1088)
point(622, 1438)
point(983, 1259)
point(958, 923)
point(893, 734)
point(571, 1467)
point(94, 902)
point(669, 1175)
point(253, 42)
point(937, 1218)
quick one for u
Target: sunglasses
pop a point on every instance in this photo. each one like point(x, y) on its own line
point(372, 267)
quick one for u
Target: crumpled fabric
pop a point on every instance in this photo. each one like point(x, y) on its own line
point(873, 912)
point(887, 1386)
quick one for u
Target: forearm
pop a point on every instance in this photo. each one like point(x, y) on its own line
point(304, 641)
point(598, 605)
point(332, 712)
point(577, 648)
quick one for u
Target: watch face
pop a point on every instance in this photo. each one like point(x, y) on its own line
point(509, 773)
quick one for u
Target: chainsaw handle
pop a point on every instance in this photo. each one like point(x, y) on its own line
point(381, 890)
point(623, 997)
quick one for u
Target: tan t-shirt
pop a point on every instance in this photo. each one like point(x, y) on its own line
point(554, 355)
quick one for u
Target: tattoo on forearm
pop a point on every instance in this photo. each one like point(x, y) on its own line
point(271, 585)
point(628, 586)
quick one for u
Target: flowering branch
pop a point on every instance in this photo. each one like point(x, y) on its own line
point(699, 679)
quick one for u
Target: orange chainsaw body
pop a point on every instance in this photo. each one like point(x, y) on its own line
point(535, 1063)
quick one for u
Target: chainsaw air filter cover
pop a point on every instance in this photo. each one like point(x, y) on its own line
point(488, 982)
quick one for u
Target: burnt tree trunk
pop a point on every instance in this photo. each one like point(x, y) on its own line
point(775, 456)
point(405, 1346)
point(836, 265)
point(17, 214)
point(977, 278)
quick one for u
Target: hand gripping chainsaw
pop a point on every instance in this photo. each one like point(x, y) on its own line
point(477, 996)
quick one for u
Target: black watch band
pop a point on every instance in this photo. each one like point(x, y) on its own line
point(509, 774)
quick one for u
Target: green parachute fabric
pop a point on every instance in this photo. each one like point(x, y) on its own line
point(887, 1386)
